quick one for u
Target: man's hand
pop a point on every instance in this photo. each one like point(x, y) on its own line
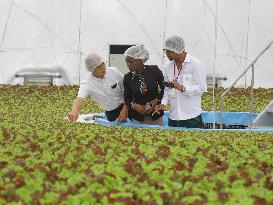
point(73, 116)
point(77, 104)
point(159, 107)
point(178, 86)
point(140, 109)
point(123, 114)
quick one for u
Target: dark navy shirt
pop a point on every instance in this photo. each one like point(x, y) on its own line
point(153, 78)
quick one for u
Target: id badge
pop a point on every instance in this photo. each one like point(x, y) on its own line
point(187, 80)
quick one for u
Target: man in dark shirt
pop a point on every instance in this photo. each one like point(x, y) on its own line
point(143, 88)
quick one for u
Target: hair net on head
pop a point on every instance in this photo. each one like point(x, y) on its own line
point(137, 52)
point(175, 43)
point(92, 61)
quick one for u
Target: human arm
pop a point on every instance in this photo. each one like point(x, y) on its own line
point(76, 106)
point(139, 108)
point(129, 99)
point(123, 114)
point(160, 79)
point(178, 86)
point(83, 93)
point(159, 88)
point(158, 108)
point(165, 99)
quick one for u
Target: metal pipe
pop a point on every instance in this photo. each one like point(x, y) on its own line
point(214, 64)
point(79, 44)
point(251, 98)
point(37, 75)
point(221, 108)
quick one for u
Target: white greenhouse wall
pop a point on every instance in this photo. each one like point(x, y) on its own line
point(50, 33)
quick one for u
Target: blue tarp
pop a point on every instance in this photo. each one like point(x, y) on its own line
point(228, 118)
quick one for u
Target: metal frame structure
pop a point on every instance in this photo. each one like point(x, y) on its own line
point(38, 78)
point(252, 84)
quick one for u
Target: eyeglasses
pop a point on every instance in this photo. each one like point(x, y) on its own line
point(167, 51)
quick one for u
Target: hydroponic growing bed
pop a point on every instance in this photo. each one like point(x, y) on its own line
point(45, 159)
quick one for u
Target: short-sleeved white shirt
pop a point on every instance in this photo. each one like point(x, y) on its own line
point(108, 92)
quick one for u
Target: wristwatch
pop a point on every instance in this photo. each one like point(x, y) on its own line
point(132, 105)
point(182, 88)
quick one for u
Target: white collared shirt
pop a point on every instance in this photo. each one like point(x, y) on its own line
point(108, 92)
point(185, 105)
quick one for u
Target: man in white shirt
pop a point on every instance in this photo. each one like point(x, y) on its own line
point(104, 85)
point(185, 80)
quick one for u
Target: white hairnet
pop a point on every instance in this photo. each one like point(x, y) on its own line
point(92, 61)
point(137, 52)
point(175, 43)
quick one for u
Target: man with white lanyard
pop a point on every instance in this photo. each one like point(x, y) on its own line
point(105, 85)
point(185, 81)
